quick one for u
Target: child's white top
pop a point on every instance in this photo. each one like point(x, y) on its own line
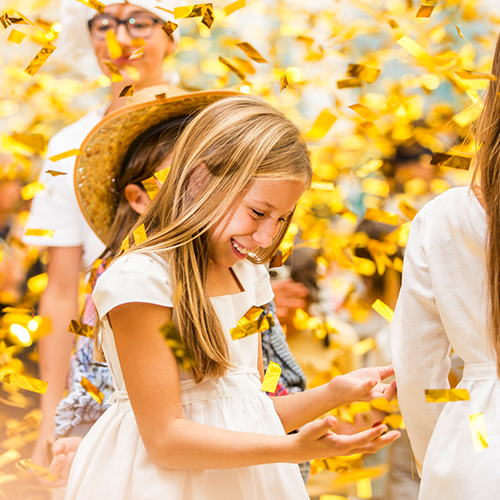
point(443, 304)
point(112, 462)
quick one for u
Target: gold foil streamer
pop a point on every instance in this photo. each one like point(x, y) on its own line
point(365, 73)
point(460, 34)
point(94, 392)
point(425, 11)
point(140, 235)
point(378, 215)
point(321, 126)
point(349, 83)
point(478, 432)
point(195, 10)
point(451, 161)
point(37, 470)
point(233, 68)
point(383, 309)
point(283, 83)
point(416, 50)
point(252, 322)
point(208, 16)
point(40, 59)
point(365, 112)
point(35, 142)
point(55, 173)
point(66, 154)
point(94, 4)
point(271, 378)
point(408, 210)
point(16, 36)
point(5, 20)
point(233, 7)
point(466, 74)
point(172, 336)
point(446, 395)
point(42, 233)
point(280, 258)
point(80, 328)
point(25, 382)
point(30, 190)
point(169, 27)
point(114, 48)
point(251, 52)
point(116, 76)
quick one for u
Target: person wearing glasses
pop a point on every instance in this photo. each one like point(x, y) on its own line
point(74, 246)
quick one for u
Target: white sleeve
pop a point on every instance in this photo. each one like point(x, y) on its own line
point(420, 347)
point(262, 283)
point(133, 278)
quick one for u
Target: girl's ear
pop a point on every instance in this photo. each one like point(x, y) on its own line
point(137, 198)
point(198, 180)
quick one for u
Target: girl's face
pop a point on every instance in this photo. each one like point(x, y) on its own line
point(157, 47)
point(254, 222)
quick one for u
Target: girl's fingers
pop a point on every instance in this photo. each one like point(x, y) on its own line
point(356, 441)
point(379, 443)
point(319, 428)
point(67, 466)
point(385, 371)
point(57, 464)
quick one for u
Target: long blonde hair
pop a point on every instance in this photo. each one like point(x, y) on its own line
point(234, 141)
point(488, 171)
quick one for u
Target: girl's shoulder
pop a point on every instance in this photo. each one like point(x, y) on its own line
point(134, 277)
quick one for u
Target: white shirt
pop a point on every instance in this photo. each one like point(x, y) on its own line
point(56, 207)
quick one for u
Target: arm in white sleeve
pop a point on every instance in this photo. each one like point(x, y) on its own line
point(420, 348)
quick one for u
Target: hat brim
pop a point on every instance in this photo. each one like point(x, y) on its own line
point(105, 147)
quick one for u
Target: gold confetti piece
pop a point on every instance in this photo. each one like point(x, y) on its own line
point(37, 284)
point(425, 11)
point(233, 7)
point(208, 16)
point(162, 174)
point(252, 322)
point(271, 378)
point(251, 52)
point(451, 161)
point(332, 497)
point(378, 215)
point(478, 432)
point(460, 34)
point(169, 27)
point(36, 142)
point(474, 75)
point(125, 246)
point(151, 187)
point(55, 173)
point(364, 488)
point(446, 395)
point(383, 309)
point(161, 96)
point(349, 83)
point(365, 112)
point(37, 470)
point(30, 190)
point(326, 186)
point(280, 258)
point(66, 154)
point(16, 36)
point(182, 354)
point(114, 48)
point(80, 328)
point(369, 167)
point(42, 233)
point(393, 24)
point(166, 10)
point(8, 457)
point(94, 392)
point(365, 73)
point(137, 54)
point(283, 83)
point(363, 346)
point(232, 68)
point(408, 210)
point(5, 20)
point(469, 115)
point(140, 235)
point(40, 59)
point(116, 76)
point(195, 10)
point(94, 4)
point(25, 382)
point(16, 310)
point(321, 126)
point(394, 421)
point(415, 50)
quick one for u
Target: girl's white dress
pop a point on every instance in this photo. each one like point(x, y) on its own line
point(112, 462)
point(443, 304)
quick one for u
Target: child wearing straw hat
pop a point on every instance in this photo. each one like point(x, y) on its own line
point(74, 245)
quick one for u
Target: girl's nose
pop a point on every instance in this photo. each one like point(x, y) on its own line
point(265, 233)
point(122, 35)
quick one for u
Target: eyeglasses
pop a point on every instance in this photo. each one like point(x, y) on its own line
point(137, 26)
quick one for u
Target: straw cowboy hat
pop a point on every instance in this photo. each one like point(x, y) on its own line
point(106, 146)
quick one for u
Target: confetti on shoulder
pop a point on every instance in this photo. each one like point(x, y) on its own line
point(55, 173)
point(66, 154)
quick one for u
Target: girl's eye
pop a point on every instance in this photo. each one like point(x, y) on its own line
point(258, 214)
point(281, 220)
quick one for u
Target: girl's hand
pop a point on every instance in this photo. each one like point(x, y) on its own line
point(364, 385)
point(316, 440)
point(64, 451)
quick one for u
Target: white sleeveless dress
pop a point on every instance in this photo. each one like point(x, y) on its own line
point(112, 462)
point(443, 305)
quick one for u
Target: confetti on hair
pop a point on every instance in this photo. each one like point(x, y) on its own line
point(169, 27)
point(40, 59)
point(446, 395)
point(94, 392)
point(162, 174)
point(383, 309)
point(66, 154)
point(254, 321)
point(151, 187)
point(478, 432)
point(25, 382)
point(271, 378)
point(140, 235)
point(80, 328)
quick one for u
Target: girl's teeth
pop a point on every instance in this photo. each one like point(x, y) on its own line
point(242, 250)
